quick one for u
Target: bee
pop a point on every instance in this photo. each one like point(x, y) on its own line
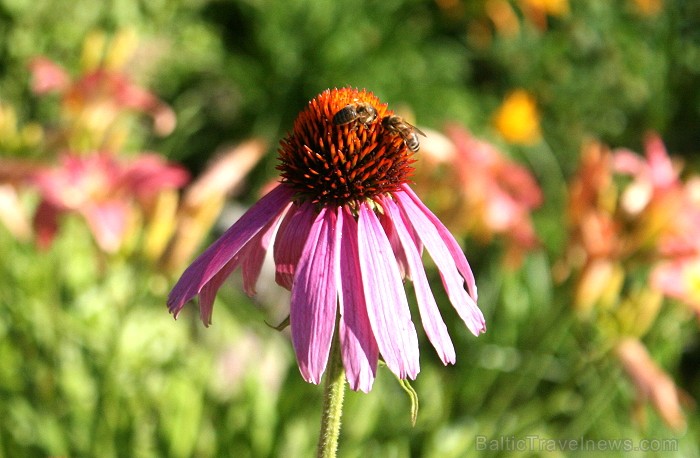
point(361, 112)
point(408, 132)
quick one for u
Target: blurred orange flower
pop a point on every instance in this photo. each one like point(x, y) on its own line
point(623, 205)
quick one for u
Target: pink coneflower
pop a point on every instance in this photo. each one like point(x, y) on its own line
point(345, 229)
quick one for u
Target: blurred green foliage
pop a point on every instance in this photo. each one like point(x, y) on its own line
point(92, 364)
point(236, 68)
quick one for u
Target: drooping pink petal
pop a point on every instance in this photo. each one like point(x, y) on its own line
point(314, 297)
point(358, 346)
point(443, 249)
point(210, 288)
point(251, 257)
point(294, 227)
point(254, 255)
point(399, 254)
point(214, 258)
point(434, 326)
point(387, 307)
point(452, 245)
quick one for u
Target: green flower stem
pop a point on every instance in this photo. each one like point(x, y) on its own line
point(334, 391)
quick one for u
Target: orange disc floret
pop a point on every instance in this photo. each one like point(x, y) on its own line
point(334, 163)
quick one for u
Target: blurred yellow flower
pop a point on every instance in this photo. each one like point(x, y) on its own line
point(518, 119)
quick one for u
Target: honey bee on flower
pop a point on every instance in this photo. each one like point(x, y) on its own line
point(405, 130)
point(360, 112)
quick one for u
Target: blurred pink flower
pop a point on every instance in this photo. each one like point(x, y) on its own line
point(631, 215)
point(345, 232)
point(500, 193)
point(103, 190)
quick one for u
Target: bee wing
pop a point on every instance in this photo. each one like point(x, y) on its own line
point(417, 130)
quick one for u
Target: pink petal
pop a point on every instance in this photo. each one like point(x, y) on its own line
point(314, 297)
point(210, 288)
point(254, 256)
point(227, 246)
point(251, 256)
point(387, 307)
point(287, 249)
point(452, 245)
point(444, 250)
point(357, 343)
point(433, 324)
point(399, 254)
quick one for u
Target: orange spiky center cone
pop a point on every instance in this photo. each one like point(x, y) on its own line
point(331, 164)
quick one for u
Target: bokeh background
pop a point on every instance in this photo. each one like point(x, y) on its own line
point(561, 150)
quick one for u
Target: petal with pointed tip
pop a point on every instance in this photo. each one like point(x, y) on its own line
point(314, 298)
point(452, 245)
point(387, 307)
point(434, 326)
point(358, 346)
point(444, 258)
point(214, 258)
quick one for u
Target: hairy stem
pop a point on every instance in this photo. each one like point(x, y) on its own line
point(334, 391)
